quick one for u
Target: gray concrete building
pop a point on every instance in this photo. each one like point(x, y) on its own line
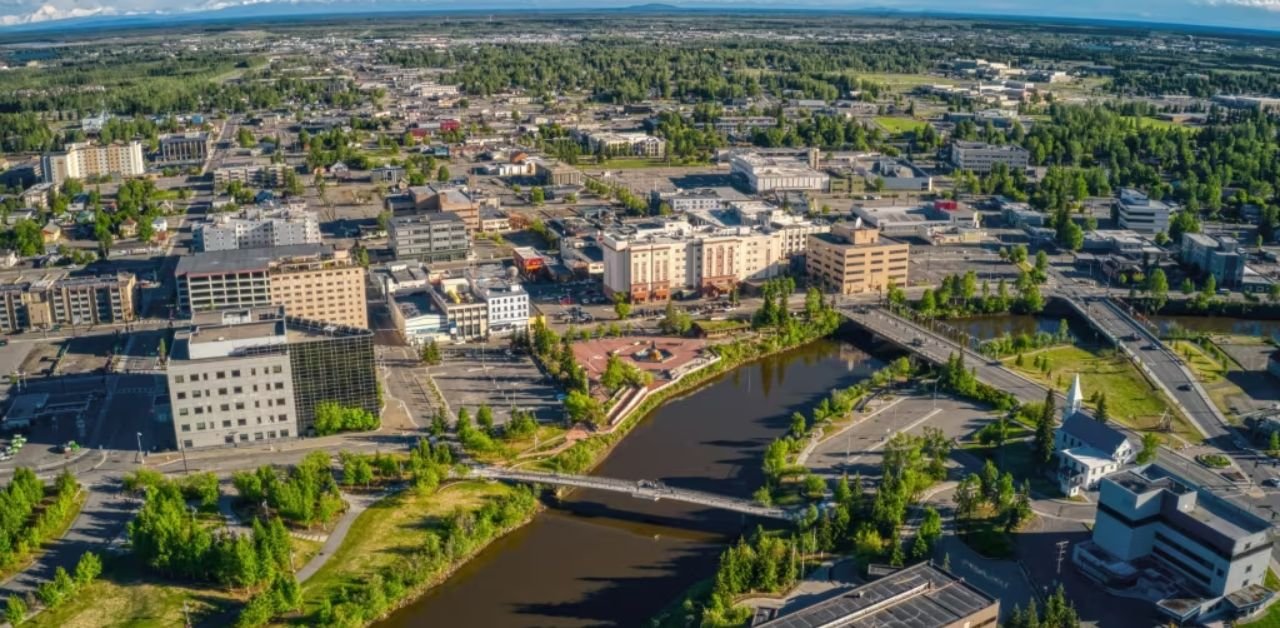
point(257, 227)
point(429, 236)
point(981, 157)
point(254, 375)
point(184, 148)
point(1216, 552)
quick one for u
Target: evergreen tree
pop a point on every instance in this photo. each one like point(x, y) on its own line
point(1101, 413)
point(1042, 443)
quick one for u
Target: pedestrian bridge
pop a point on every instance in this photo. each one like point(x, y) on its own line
point(640, 489)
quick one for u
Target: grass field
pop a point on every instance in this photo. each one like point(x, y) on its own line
point(899, 126)
point(125, 595)
point(390, 529)
point(1131, 400)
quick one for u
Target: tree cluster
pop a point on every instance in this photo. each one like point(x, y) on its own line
point(332, 418)
point(305, 494)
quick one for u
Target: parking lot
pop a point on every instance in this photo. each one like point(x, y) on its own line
point(473, 377)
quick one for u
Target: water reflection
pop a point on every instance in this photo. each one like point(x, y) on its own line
point(1219, 325)
point(607, 559)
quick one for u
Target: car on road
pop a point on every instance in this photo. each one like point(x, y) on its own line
point(1271, 482)
point(1184, 386)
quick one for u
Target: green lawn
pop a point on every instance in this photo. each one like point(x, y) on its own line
point(388, 530)
point(127, 595)
point(899, 126)
point(1130, 399)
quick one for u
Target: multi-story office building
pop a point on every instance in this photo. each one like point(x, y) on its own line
point(264, 174)
point(430, 236)
point(508, 303)
point(466, 316)
point(256, 228)
point(699, 199)
point(314, 281)
point(42, 299)
point(446, 199)
point(981, 157)
point(654, 260)
point(82, 160)
point(1219, 551)
point(253, 375)
point(766, 174)
point(185, 148)
point(743, 125)
point(1139, 212)
point(556, 173)
point(853, 259)
point(1219, 256)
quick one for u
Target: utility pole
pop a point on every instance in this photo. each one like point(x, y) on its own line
point(1062, 552)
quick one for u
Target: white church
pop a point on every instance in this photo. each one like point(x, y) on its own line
point(1088, 450)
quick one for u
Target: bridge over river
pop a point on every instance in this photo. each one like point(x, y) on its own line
point(640, 489)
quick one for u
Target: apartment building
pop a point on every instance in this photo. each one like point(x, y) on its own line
point(314, 281)
point(1216, 551)
point(258, 174)
point(981, 157)
point(853, 259)
point(185, 148)
point(637, 144)
point(429, 236)
point(42, 299)
point(654, 260)
point(256, 228)
point(82, 160)
point(766, 174)
point(256, 375)
point(1139, 212)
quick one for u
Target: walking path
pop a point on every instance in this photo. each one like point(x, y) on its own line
point(358, 504)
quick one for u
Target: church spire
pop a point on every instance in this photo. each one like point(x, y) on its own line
point(1075, 398)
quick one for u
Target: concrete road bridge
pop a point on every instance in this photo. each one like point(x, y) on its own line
point(640, 489)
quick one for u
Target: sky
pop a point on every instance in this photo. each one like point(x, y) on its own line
point(1260, 14)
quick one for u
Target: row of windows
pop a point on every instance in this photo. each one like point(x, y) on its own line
point(226, 407)
point(235, 390)
point(200, 426)
point(253, 372)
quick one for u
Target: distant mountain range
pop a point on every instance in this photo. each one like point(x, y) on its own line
point(50, 19)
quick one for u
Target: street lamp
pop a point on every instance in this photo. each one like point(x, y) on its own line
point(139, 458)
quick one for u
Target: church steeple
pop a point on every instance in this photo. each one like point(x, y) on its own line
point(1075, 398)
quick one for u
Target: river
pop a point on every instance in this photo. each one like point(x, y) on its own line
point(1220, 325)
point(600, 559)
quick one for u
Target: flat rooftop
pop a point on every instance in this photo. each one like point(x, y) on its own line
point(921, 596)
point(243, 260)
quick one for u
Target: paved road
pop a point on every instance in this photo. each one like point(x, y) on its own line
point(938, 349)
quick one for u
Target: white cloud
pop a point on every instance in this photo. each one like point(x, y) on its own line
point(1267, 5)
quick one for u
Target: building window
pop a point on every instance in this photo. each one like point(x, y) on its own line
point(182, 395)
point(178, 379)
point(186, 427)
point(242, 422)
